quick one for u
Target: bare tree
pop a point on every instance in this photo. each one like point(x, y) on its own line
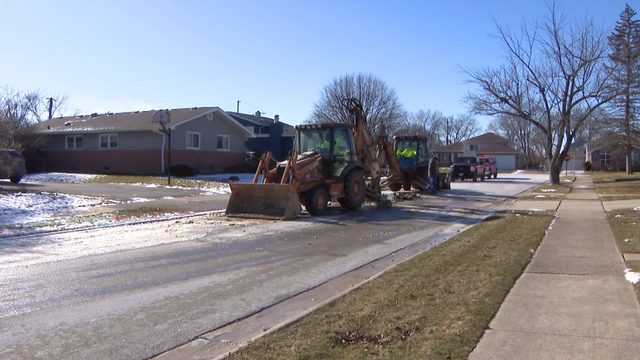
point(625, 66)
point(462, 127)
point(423, 122)
point(381, 106)
point(554, 78)
point(523, 134)
point(19, 111)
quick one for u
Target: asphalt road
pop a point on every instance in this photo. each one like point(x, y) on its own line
point(136, 291)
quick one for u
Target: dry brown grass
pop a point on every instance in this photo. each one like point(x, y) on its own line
point(434, 306)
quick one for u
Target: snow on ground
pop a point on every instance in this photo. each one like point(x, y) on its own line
point(632, 277)
point(24, 213)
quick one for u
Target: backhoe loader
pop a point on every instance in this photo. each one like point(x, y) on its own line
point(329, 161)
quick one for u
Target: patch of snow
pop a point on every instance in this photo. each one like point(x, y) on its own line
point(549, 190)
point(24, 213)
point(619, 216)
point(627, 240)
point(631, 276)
point(138, 200)
point(541, 197)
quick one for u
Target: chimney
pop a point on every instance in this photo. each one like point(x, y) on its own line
point(257, 114)
point(276, 118)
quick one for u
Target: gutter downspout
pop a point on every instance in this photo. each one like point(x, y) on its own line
point(164, 138)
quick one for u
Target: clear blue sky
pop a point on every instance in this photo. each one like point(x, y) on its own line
point(274, 56)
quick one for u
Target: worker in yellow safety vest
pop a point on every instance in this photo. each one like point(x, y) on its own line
point(407, 153)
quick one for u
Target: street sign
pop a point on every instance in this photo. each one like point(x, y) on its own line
point(567, 157)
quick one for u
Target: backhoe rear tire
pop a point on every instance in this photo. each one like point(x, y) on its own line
point(395, 186)
point(355, 190)
point(406, 186)
point(317, 201)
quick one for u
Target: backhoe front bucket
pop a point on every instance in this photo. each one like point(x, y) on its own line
point(264, 201)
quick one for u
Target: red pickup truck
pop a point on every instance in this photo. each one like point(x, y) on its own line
point(490, 164)
point(467, 167)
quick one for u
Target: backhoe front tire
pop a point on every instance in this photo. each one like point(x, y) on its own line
point(395, 186)
point(317, 201)
point(355, 190)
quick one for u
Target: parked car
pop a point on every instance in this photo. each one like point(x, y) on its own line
point(490, 164)
point(12, 165)
point(467, 167)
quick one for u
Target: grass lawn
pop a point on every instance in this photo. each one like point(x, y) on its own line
point(616, 185)
point(434, 306)
point(551, 192)
point(625, 225)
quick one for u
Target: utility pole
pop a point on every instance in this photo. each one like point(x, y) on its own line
point(238, 107)
point(51, 100)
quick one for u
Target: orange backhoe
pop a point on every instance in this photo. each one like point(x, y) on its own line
point(330, 161)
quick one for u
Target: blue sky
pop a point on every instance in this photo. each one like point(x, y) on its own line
point(274, 56)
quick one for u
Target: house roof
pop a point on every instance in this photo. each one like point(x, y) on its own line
point(607, 140)
point(577, 145)
point(455, 147)
point(488, 137)
point(260, 120)
point(128, 121)
point(498, 149)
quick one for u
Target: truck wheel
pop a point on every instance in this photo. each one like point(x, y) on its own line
point(495, 175)
point(395, 186)
point(316, 202)
point(475, 177)
point(15, 179)
point(355, 190)
point(406, 186)
point(446, 183)
point(482, 177)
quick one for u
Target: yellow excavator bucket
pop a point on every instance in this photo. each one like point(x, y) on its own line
point(264, 201)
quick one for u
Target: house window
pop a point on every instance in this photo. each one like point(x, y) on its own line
point(74, 142)
point(223, 142)
point(193, 140)
point(473, 147)
point(108, 141)
point(605, 158)
point(635, 158)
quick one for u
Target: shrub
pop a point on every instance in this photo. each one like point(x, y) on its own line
point(182, 170)
point(586, 166)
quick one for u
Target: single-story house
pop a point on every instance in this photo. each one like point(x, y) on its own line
point(488, 144)
point(206, 139)
point(270, 134)
point(607, 153)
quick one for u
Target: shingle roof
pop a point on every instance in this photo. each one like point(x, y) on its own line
point(262, 121)
point(488, 137)
point(122, 122)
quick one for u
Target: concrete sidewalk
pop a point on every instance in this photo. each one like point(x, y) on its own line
point(572, 301)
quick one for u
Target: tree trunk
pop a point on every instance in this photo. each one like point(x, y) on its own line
point(629, 160)
point(554, 174)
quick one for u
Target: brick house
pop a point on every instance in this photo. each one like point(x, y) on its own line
point(206, 139)
point(608, 154)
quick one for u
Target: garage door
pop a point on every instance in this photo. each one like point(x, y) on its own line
point(506, 162)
